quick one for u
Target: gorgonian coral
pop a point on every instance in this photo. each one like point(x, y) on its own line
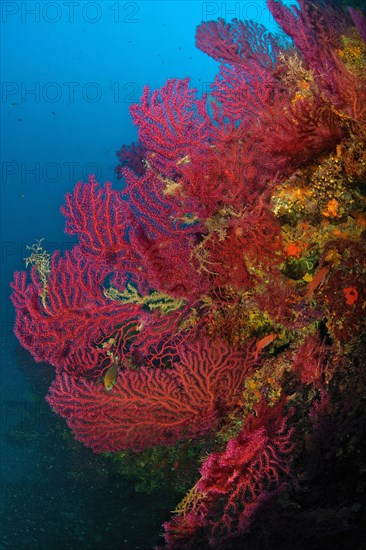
point(226, 279)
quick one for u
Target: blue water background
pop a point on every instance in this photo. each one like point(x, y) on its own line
point(68, 80)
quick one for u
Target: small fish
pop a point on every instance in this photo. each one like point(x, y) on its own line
point(110, 377)
point(263, 343)
point(317, 280)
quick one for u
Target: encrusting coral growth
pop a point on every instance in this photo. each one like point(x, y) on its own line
point(214, 307)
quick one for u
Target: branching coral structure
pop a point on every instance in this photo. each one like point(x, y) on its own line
point(218, 298)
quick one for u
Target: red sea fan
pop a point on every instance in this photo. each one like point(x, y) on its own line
point(250, 239)
point(235, 483)
point(317, 31)
point(161, 239)
point(157, 210)
point(243, 96)
point(99, 217)
point(284, 130)
point(231, 174)
point(248, 44)
point(169, 267)
point(153, 406)
point(314, 28)
point(138, 232)
point(246, 84)
point(291, 134)
point(172, 123)
point(72, 316)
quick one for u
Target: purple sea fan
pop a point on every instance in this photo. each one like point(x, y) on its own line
point(235, 483)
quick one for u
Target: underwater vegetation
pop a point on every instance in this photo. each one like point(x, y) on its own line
point(213, 310)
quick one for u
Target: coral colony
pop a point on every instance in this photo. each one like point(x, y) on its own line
point(212, 312)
